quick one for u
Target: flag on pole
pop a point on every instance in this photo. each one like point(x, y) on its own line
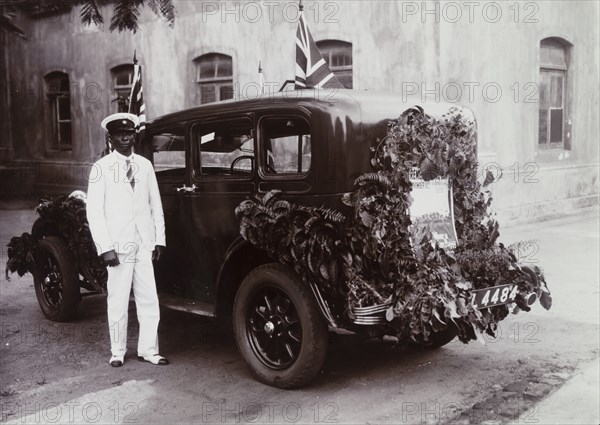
point(136, 98)
point(311, 69)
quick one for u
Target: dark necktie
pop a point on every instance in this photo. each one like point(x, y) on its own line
point(130, 173)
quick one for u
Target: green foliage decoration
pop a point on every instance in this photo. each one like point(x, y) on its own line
point(426, 288)
point(20, 255)
point(66, 217)
point(305, 238)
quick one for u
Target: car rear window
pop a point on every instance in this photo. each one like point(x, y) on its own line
point(286, 146)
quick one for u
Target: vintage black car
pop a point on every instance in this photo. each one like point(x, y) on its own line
point(308, 146)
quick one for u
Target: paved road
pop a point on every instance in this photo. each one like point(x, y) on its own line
point(58, 372)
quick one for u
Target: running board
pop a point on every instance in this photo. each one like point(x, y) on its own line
point(175, 302)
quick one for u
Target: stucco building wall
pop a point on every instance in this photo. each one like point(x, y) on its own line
point(484, 55)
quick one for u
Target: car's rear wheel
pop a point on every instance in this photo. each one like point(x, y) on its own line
point(278, 327)
point(55, 279)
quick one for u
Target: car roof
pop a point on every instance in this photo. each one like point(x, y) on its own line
point(372, 106)
point(309, 99)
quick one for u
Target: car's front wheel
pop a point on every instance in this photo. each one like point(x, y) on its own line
point(278, 327)
point(55, 279)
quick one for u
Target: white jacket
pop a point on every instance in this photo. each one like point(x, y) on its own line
point(115, 210)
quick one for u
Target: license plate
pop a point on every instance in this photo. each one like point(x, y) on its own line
point(494, 295)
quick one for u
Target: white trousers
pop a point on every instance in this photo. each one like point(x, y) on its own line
point(135, 269)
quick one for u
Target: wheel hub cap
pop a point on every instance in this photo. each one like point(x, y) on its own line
point(52, 283)
point(269, 328)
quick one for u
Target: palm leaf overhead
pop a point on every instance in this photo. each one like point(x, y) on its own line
point(125, 13)
point(43, 9)
point(6, 22)
point(164, 8)
point(90, 14)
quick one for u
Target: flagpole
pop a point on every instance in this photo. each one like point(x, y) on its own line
point(136, 96)
point(261, 78)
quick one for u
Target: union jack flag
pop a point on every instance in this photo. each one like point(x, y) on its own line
point(136, 98)
point(311, 69)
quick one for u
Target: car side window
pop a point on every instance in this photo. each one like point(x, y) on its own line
point(286, 146)
point(225, 149)
point(169, 154)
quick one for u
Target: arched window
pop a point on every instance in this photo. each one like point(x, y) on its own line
point(338, 55)
point(122, 79)
point(59, 103)
point(554, 94)
point(214, 77)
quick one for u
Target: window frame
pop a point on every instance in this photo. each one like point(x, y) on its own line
point(261, 147)
point(196, 150)
point(117, 88)
point(215, 81)
point(328, 47)
point(547, 69)
point(54, 93)
point(149, 145)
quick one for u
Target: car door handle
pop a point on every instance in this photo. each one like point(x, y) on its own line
point(186, 189)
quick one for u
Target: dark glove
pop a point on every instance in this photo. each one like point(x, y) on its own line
point(158, 252)
point(110, 258)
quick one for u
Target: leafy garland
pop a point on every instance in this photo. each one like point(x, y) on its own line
point(67, 216)
point(309, 239)
point(21, 258)
point(367, 254)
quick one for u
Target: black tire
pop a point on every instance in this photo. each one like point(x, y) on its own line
point(439, 339)
point(278, 327)
point(56, 280)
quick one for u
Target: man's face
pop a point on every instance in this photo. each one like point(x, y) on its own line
point(123, 140)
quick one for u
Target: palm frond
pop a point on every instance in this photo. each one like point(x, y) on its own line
point(126, 14)
point(7, 26)
point(373, 178)
point(270, 196)
point(90, 13)
point(164, 8)
point(43, 9)
point(332, 215)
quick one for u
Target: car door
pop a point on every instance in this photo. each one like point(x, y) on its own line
point(223, 175)
point(169, 146)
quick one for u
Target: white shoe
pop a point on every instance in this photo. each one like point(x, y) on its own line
point(155, 359)
point(116, 361)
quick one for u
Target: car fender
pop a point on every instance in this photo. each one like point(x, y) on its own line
point(241, 258)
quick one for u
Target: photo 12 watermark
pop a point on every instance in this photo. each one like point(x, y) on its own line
point(32, 92)
point(470, 92)
point(457, 412)
point(268, 11)
point(516, 333)
point(269, 412)
point(517, 172)
point(70, 412)
point(453, 12)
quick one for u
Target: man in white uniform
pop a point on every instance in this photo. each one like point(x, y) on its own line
point(126, 220)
